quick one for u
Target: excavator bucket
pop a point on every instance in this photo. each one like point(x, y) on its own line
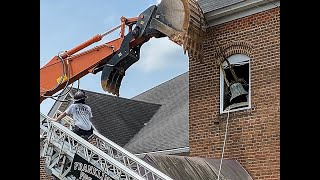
point(183, 22)
point(180, 20)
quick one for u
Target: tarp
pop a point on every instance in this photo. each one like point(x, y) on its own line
point(195, 168)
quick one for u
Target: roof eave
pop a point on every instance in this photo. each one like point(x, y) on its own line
point(239, 10)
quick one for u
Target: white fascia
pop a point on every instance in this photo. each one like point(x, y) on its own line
point(239, 10)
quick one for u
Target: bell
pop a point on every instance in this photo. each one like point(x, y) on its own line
point(237, 90)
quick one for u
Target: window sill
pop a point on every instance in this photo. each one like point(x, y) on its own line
point(237, 107)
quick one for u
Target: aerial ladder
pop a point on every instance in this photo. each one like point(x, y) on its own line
point(182, 21)
point(108, 160)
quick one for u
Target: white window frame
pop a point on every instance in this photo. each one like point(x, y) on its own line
point(235, 59)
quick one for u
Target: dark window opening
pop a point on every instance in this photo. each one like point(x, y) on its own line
point(242, 72)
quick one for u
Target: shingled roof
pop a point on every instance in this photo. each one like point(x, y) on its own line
point(169, 127)
point(157, 119)
point(211, 5)
point(116, 118)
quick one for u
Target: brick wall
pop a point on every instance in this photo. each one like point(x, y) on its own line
point(43, 174)
point(254, 134)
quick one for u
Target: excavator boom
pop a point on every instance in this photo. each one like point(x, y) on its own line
point(59, 72)
point(68, 67)
point(182, 21)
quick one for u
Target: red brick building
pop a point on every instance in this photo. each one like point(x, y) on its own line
point(248, 33)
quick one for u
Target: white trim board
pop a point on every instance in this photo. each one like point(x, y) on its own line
point(238, 11)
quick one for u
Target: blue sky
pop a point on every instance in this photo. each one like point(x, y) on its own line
point(65, 24)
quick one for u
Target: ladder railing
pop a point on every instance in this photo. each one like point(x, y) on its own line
point(61, 144)
point(126, 158)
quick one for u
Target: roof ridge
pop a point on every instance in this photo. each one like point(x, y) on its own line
point(98, 93)
point(160, 85)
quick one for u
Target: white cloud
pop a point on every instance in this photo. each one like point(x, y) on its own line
point(159, 54)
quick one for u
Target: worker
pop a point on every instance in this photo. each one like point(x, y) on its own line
point(81, 115)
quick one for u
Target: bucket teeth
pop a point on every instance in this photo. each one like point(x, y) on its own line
point(185, 45)
point(194, 30)
point(111, 81)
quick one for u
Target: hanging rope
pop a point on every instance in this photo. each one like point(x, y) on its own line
point(224, 144)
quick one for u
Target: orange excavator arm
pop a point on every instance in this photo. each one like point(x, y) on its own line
point(68, 67)
point(182, 21)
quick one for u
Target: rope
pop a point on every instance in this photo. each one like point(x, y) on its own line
point(224, 143)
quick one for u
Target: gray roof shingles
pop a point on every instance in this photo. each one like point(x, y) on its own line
point(157, 119)
point(211, 5)
point(169, 127)
point(117, 118)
